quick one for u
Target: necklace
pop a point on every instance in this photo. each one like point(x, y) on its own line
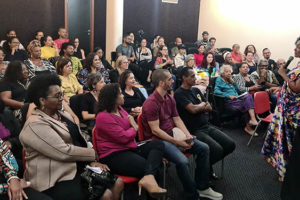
point(24, 86)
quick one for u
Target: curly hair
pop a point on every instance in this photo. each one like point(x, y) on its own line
point(39, 87)
point(108, 97)
point(246, 49)
point(13, 71)
point(89, 61)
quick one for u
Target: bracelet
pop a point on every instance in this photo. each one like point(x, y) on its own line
point(12, 177)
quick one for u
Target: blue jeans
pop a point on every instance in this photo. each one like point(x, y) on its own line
point(201, 182)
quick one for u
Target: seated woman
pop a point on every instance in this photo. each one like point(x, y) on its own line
point(160, 43)
point(120, 67)
point(3, 64)
point(13, 87)
point(49, 48)
point(56, 153)
point(78, 52)
point(251, 48)
point(14, 188)
point(266, 79)
point(209, 65)
point(133, 97)
point(237, 56)
point(35, 64)
point(199, 56)
point(116, 145)
point(226, 86)
point(92, 65)
point(143, 54)
point(228, 60)
point(163, 60)
point(69, 83)
point(12, 51)
point(95, 83)
point(249, 60)
point(244, 81)
point(99, 51)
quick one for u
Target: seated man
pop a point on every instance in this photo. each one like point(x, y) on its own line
point(67, 51)
point(160, 120)
point(63, 37)
point(192, 108)
point(204, 39)
point(271, 63)
point(175, 50)
point(210, 47)
point(180, 57)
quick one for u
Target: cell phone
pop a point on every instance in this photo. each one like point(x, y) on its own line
point(190, 140)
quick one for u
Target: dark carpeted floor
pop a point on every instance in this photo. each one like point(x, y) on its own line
point(246, 175)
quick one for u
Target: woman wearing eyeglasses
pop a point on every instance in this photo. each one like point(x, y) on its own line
point(12, 51)
point(121, 66)
point(56, 153)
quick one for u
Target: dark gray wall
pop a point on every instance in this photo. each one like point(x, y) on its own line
point(168, 20)
point(100, 23)
point(27, 16)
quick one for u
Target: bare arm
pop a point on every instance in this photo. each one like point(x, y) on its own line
point(82, 54)
point(87, 116)
point(6, 98)
point(154, 125)
point(179, 124)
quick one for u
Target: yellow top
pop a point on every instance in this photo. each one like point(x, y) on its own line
point(47, 52)
point(70, 86)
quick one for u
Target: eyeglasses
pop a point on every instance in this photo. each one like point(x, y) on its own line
point(59, 95)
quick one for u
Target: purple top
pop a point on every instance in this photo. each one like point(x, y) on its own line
point(157, 108)
point(114, 133)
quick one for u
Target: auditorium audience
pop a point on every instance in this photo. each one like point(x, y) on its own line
point(160, 120)
point(121, 66)
point(64, 154)
point(12, 50)
point(67, 51)
point(175, 49)
point(91, 66)
point(193, 109)
point(3, 64)
point(143, 53)
point(69, 83)
point(95, 82)
point(179, 59)
point(125, 49)
point(204, 40)
point(199, 56)
point(35, 64)
point(267, 54)
point(11, 33)
point(209, 65)
point(160, 43)
point(251, 48)
point(78, 52)
point(14, 85)
point(286, 119)
point(115, 135)
point(244, 81)
point(163, 60)
point(226, 87)
point(62, 37)
point(49, 48)
point(237, 56)
point(99, 51)
point(133, 97)
point(38, 35)
point(250, 61)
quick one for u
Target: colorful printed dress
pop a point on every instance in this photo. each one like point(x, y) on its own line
point(278, 143)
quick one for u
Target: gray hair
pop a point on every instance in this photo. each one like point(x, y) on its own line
point(93, 79)
point(223, 67)
point(261, 61)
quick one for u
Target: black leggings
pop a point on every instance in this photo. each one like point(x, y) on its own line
point(32, 195)
point(220, 144)
point(144, 160)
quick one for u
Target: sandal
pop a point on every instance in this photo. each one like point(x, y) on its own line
point(250, 133)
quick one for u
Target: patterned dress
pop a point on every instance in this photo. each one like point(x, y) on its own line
point(278, 143)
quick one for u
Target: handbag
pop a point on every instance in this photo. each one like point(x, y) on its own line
point(4, 132)
point(97, 182)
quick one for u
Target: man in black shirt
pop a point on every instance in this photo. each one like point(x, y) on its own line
point(193, 110)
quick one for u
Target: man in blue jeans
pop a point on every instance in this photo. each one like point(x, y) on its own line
point(160, 120)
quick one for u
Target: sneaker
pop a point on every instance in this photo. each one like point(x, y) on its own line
point(209, 193)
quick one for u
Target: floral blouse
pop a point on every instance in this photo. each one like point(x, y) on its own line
point(83, 74)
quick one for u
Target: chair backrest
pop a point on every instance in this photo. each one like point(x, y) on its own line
point(75, 105)
point(113, 56)
point(192, 50)
point(261, 102)
point(140, 130)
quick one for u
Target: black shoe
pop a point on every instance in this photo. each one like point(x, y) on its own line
point(214, 176)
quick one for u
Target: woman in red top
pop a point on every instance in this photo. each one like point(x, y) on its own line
point(236, 54)
point(199, 57)
point(116, 145)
